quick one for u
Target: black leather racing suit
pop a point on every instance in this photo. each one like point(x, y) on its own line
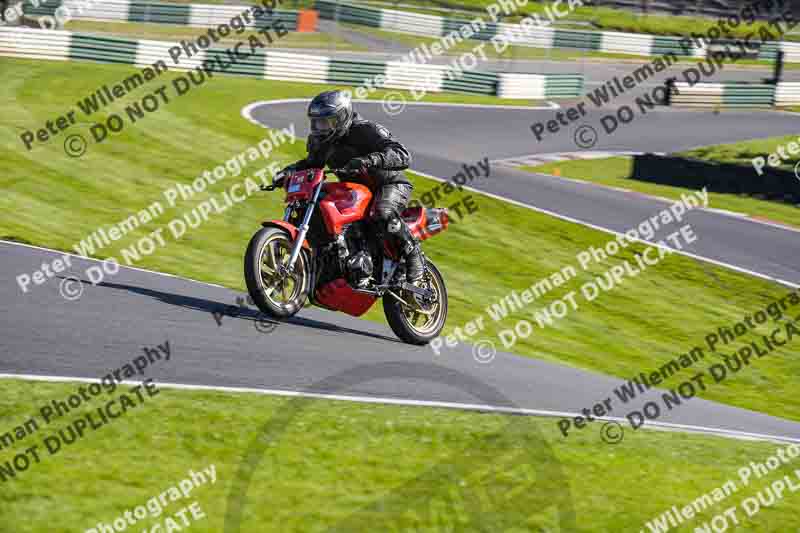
point(390, 188)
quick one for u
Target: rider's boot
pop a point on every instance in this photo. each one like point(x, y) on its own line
point(415, 265)
point(409, 246)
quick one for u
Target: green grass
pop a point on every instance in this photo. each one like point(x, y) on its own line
point(527, 52)
point(608, 19)
point(601, 18)
point(173, 32)
point(53, 200)
point(363, 467)
point(512, 52)
point(616, 172)
point(742, 153)
point(281, 4)
point(463, 98)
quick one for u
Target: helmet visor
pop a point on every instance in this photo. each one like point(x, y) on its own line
point(323, 125)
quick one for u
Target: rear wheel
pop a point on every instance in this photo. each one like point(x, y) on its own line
point(420, 322)
point(275, 292)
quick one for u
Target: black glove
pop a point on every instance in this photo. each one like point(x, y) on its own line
point(282, 173)
point(361, 165)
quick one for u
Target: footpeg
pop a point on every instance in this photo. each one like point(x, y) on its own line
point(410, 287)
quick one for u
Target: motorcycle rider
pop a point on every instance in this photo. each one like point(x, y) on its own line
point(341, 138)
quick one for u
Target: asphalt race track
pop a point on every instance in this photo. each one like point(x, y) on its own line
point(443, 138)
point(330, 353)
point(318, 351)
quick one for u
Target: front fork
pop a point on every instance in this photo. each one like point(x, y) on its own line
point(303, 229)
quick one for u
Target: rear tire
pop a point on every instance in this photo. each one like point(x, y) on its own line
point(405, 322)
point(278, 297)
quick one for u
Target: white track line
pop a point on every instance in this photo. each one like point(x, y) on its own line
point(778, 225)
point(723, 212)
point(663, 426)
point(616, 233)
point(61, 252)
point(547, 107)
point(726, 212)
point(394, 401)
point(247, 110)
point(422, 403)
point(379, 400)
point(247, 114)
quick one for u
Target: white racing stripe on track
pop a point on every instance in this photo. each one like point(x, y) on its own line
point(726, 212)
point(247, 114)
point(662, 426)
point(616, 233)
point(61, 252)
point(247, 111)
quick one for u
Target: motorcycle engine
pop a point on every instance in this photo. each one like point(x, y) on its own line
point(359, 268)
point(347, 256)
point(358, 261)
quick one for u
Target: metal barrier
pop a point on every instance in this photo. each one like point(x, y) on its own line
point(539, 86)
point(531, 36)
point(197, 15)
point(64, 45)
point(733, 94)
point(727, 178)
point(787, 94)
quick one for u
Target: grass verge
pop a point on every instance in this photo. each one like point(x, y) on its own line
point(362, 467)
point(615, 172)
point(53, 200)
point(512, 53)
point(600, 18)
point(174, 32)
point(326, 40)
point(609, 19)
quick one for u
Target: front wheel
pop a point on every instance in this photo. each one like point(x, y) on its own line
point(276, 293)
point(419, 324)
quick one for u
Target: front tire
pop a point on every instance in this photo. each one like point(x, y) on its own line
point(413, 325)
point(277, 296)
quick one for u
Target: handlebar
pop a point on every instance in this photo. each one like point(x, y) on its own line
point(274, 185)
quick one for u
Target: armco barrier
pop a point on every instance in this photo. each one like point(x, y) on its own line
point(538, 37)
point(700, 95)
point(791, 51)
point(748, 95)
point(64, 45)
point(539, 87)
point(197, 15)
point(787, 94)
point(734, 94)
point(773, 184)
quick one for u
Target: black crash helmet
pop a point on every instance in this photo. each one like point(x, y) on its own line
point(330, 114)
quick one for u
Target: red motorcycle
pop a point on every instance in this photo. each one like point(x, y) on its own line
point(327, 251)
